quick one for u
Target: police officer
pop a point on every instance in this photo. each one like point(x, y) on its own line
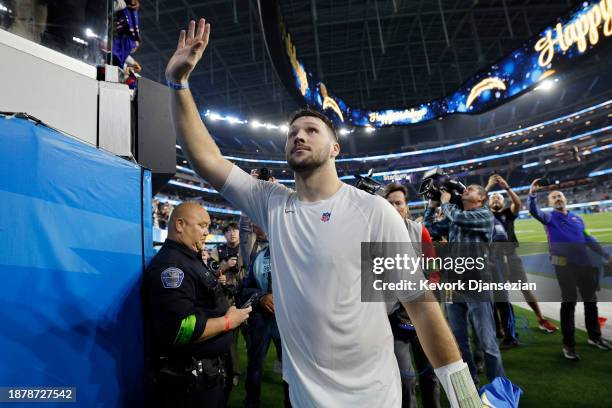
point(188, 322)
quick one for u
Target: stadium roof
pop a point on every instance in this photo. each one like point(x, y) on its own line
point(375, 53)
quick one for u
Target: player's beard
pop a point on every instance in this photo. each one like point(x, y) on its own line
point(313, 162)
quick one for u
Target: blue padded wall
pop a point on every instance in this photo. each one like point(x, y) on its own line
point(75, 232)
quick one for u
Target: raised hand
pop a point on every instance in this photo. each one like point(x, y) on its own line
point(535, 186)
point(502, 183)
point(492, 182)
point(191, 46)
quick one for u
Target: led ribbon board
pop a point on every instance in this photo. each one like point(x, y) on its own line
point(543, 55)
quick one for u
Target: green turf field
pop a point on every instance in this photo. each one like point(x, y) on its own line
point(599, 225)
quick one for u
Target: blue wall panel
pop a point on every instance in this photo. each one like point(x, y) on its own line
point(72, 224)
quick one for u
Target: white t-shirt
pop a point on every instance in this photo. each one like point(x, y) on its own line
point(337, 350)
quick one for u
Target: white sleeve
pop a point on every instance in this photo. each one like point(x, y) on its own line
point(390, 230)
point(250, 195)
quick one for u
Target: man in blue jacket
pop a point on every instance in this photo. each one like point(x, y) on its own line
point(568, 240)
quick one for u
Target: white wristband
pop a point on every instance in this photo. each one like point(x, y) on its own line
point(459, 385)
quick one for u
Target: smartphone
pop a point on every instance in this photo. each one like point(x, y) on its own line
point(544, 182)
point(249, 301)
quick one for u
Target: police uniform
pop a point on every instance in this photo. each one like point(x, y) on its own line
point(179, 295)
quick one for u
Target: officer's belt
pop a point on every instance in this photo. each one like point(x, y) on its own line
point(195, 367)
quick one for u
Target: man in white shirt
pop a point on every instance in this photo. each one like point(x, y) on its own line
point(337, 350)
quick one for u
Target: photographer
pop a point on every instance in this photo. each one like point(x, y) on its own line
point(473, 225)
point(568, 239)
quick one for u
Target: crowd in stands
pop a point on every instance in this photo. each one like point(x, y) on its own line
point(161, 211)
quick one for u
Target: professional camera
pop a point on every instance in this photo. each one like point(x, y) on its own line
point(435, 181)
point(367, 183)
point(213, 266)
point(264, 174)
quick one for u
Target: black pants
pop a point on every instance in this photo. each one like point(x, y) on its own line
point(584, 278)
point(172, 389)
point(260, 334)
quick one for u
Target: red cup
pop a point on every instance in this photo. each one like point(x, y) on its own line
point(602, 321)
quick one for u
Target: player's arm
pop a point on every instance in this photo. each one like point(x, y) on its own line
point(442, 351)
point(433, 331)
point(199, 147)
point(434, 334)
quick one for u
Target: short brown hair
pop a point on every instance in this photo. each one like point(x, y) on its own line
point(393, 187)
point(309, 112)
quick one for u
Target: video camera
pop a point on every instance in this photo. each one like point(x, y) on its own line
point(367, 183)
point(435, 181)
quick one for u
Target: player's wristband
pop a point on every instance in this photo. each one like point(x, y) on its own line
point(458, 384)
point(177, 86)
point(227, 323)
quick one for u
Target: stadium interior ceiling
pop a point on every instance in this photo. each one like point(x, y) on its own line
point(389, 54)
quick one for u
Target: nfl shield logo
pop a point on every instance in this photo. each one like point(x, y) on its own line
point(326, 216)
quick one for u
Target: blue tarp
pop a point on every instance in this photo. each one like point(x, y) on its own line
point(76, 231)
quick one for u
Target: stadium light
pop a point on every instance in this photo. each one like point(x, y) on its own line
point(600, 148)
point(79, 41)
point(546, 85)
point(527, 165)
point(479, 160)
point(453, 146)
point(90, 34)
point(600, 172)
